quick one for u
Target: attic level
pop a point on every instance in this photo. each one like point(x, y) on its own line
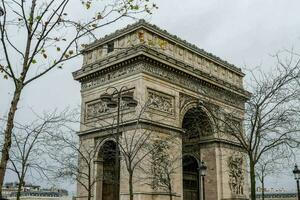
point(152, 37)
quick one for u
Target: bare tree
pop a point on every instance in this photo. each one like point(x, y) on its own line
point(163, 166)
point(133, 150)
point(271, 114)
point(43, 25)
point(27, 152)
point(134, 146)
point(272, 163)
point(74, 160)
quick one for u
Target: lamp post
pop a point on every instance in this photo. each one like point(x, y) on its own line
point(296, 173)
point(113, 100)
point(203, 170)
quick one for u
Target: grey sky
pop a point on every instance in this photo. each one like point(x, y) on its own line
point(243, 32)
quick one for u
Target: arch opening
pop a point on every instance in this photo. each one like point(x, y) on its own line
point(110, 171)
point(191, 186)
point(196, 123)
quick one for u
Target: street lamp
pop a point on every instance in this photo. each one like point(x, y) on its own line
point(296, 173)
point(1, 11)
point(113, 100)
point(203, 170)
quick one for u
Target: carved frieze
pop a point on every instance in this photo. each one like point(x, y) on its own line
point(160, 101)
point(236, 174)
point(169, 75)
point(96, 108)
point(193, 84)
point(107, 77)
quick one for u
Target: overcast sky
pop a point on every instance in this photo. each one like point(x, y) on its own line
point(243, 32)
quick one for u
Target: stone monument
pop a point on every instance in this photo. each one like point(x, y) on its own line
point(177, 87)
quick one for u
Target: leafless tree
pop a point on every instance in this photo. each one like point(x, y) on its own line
point(43, 26)
point(27, 153)
point(163, 166)
point(74, 160)
point(133, 150)
point(271, 114)
point(134, 146)
point(272, 163)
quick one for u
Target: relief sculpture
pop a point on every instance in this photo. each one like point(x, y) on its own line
point(236, 175)
point(96, 109)
point(184, 100)
point(164, 74)
point(160, 101)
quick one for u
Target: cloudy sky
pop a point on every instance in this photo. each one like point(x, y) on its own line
point(244, 32)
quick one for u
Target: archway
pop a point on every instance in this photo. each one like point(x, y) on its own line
point(110, 171)
point(191, 186)
point(196, 124)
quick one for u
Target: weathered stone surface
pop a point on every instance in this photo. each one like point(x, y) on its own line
point(169, 77)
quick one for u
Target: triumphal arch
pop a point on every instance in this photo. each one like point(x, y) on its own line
point(152, 106)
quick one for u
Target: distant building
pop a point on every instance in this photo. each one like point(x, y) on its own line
point(34, 192)
point(278, 196)
point(271, 190)
point(8, 188)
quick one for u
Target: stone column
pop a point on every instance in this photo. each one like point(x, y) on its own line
point(99, 179)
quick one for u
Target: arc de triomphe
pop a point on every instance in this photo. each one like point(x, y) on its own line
point(177, 87)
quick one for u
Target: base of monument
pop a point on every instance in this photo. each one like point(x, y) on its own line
point(236, 198)
point(151, 196)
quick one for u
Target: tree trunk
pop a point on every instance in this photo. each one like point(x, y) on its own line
point(89, 182)
point(263, 188)
point(21, 182)
point(19, 192)
point(89, 194)
point(169, 186)
point(130, 186)
point(14, 103)
point(170, 192)
point(7, 135)
point(252, 180)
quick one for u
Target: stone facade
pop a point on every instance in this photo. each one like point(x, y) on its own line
point(169, 78)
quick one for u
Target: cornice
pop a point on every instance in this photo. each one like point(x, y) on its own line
point(108, 63)
point(126, 126)
point(144, 53)
point(152, 126)
point(165, 34)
